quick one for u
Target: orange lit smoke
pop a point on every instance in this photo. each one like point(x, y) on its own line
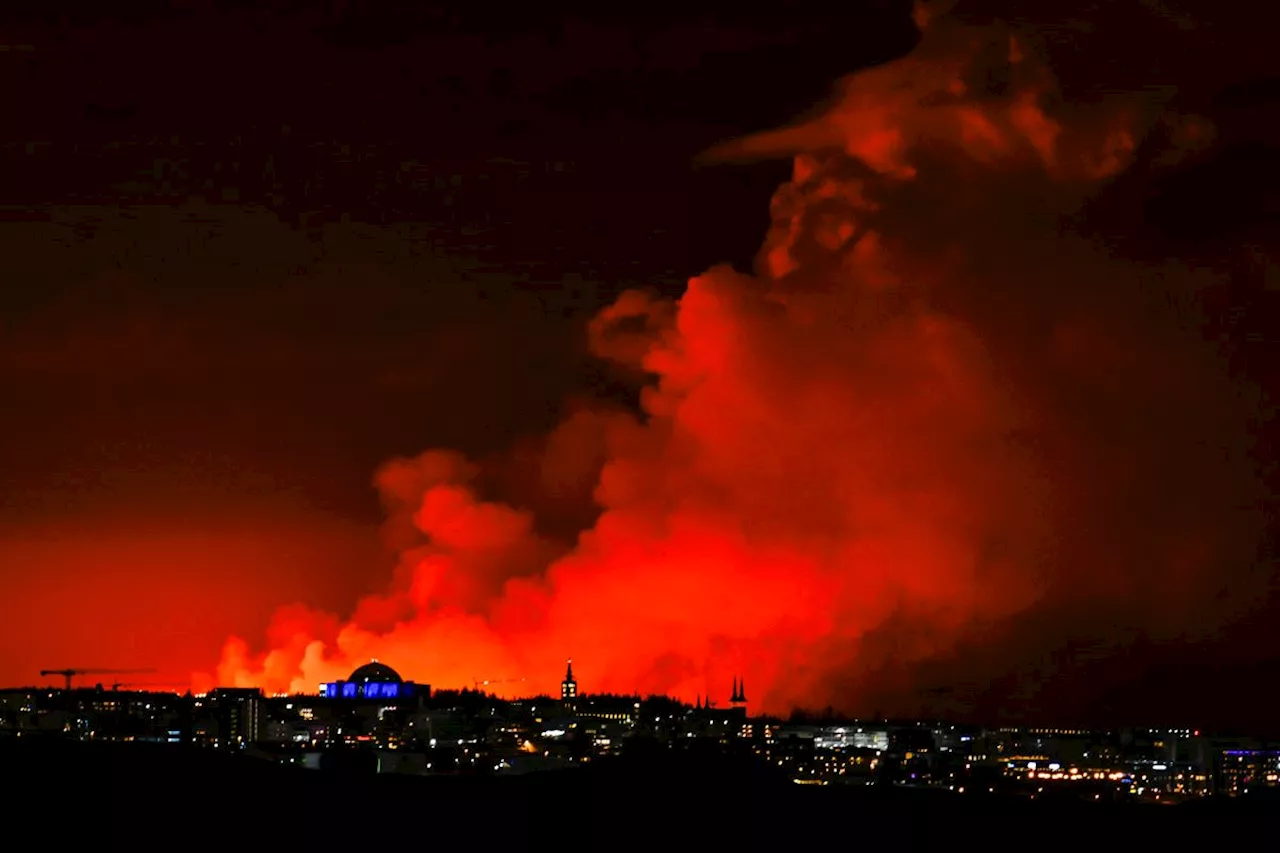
point(833, 464)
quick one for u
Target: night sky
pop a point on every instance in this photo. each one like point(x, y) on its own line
point(253, 253)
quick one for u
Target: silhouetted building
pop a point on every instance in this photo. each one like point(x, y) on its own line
point(738, 699)
point(373, 680)
point(238, 712)
point(1241, 771)
point(569, 687)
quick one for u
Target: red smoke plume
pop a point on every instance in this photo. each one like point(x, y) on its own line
point(932, 410)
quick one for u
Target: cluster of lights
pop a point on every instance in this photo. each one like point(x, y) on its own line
point(1137, 781)
point(1143, 778)
point(1055, 772)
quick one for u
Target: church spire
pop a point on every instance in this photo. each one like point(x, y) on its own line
point(569, 687)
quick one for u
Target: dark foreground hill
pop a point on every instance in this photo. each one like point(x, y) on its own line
point(114, 791)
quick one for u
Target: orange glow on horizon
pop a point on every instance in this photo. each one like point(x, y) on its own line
point(127, 594)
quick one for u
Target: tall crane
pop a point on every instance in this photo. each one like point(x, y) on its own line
point(72, 672)
point(481, 684)
point(173, 687)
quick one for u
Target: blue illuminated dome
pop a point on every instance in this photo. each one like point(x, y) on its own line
point(374, 681)
point(374, 672)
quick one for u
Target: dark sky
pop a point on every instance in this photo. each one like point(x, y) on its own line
point(252, 250)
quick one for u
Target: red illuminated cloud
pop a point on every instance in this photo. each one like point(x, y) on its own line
point(886, 438)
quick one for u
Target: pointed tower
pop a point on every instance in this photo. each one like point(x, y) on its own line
point(569, 687)
point(739, 698)
point(698, 707)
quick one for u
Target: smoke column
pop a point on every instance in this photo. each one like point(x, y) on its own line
point(941, 410)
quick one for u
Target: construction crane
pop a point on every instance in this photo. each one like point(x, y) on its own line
point(168, 688)
point(72, 672)
point(481, 684)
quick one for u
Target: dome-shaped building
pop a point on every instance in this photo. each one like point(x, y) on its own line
point(374, 671)
point(374, 680)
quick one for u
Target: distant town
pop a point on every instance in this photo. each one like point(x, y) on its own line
point(377, 722)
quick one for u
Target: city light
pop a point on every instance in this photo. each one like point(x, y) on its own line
point(411, 729)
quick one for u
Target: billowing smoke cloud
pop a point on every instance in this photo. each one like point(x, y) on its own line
point(942, 408)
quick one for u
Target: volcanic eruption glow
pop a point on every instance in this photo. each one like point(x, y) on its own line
point(929, 412)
